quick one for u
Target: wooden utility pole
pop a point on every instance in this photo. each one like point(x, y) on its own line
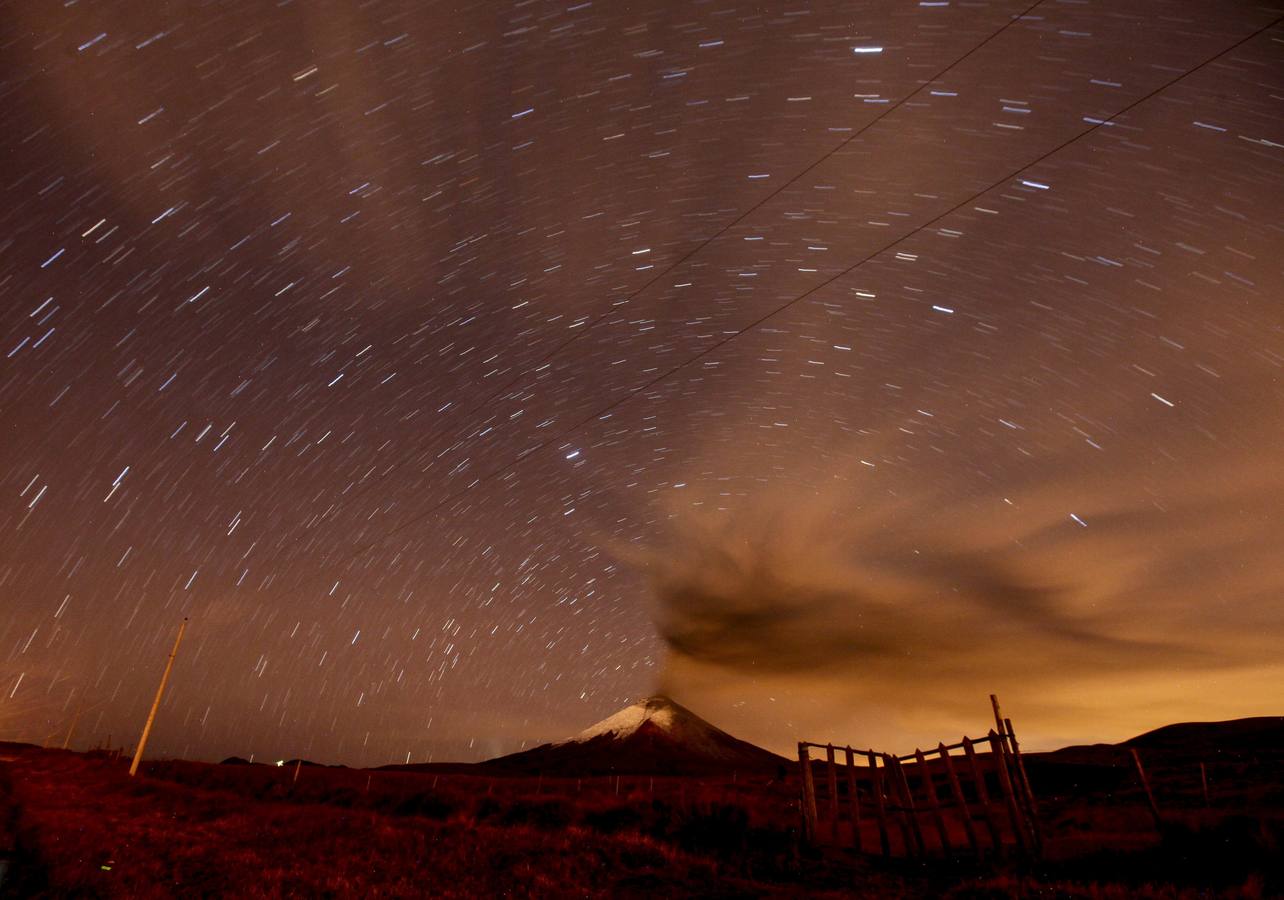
point(151, 716)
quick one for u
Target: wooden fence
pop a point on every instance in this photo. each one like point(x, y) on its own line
point(923, 803)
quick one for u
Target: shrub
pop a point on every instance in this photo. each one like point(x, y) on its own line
point(546, 814)
point(343, 796)
point(430, 806)
point(721, 829)
point(613, 819)
point(487, 809)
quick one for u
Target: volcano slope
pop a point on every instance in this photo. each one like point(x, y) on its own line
point(654, 736)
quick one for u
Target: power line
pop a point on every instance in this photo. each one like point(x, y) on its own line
point(663, 273)
point(789, 304)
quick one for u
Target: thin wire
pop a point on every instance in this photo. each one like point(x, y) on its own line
point(663, 273)
point(601, 413)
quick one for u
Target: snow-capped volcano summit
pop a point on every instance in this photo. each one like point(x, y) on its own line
point(658, 710)
point(655, 735)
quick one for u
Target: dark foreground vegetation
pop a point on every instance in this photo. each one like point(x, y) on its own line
point(76, 825)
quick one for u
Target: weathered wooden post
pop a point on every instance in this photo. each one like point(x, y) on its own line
point(896, 804)
point(853, 803)
point(808, 792)
point(983, 797)
point(956, 791)
point(998, 716)
point(1145, 783)
point(1031, 806)
point(151, 716)
point(1012, 755)
point(933, 802)
point(999, 752)
point(880, 806)
point(907, 803)
point(1020, 773)
point(831, 779)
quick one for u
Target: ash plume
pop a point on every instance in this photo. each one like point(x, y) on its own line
point(893, 598)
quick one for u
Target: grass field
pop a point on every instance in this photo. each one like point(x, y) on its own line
point(76, 824)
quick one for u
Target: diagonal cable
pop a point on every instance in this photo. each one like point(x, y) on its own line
point(667, 270)
point(812, 290)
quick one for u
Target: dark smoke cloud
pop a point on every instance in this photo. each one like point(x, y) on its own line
point(774, 592)
point(894, 614)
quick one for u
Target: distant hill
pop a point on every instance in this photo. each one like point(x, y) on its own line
point(1185, 743)
point(658, 736)
point(287, 763)
point(1263, 733)
point(1104, 768)
point(654, 736)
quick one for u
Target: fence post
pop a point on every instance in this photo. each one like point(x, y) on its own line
point(1012, 754)
point(808, 792)
point(1145, 783)
point(910, 812)
point(880, 807)
point(983, 795)
point(831, 779)
point(933, 802)
point(999, 752)
point(956, 790)
point(1020, 767)
point(1032, 807)
point(853, 802)
point(998, 716)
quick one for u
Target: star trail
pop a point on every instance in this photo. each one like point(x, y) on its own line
point(464, 373)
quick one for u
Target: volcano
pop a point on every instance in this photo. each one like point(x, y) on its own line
point(654, 736)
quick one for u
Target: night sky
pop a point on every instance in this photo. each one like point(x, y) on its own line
point(463, 373)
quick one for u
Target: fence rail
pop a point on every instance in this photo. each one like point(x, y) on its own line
point(977, 803)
